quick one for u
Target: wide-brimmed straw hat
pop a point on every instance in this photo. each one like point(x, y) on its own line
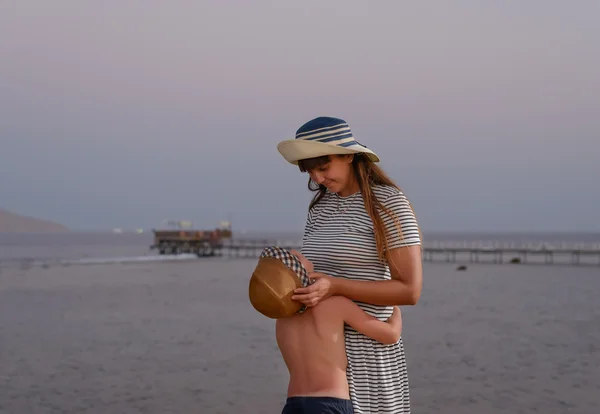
point(272, 284)
point(322, 136)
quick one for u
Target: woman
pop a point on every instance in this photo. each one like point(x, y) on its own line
point(363, 240)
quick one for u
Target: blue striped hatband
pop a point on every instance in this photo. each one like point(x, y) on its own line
point(327, 129)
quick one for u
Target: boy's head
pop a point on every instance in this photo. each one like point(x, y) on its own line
point(272, 284)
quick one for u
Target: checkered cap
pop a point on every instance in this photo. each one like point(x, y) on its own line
point(288, 259)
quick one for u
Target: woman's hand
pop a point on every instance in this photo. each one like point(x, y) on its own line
point(320, 290)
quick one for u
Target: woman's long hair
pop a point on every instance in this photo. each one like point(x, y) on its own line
point(368, 175)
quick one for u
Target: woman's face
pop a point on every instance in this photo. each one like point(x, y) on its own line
point(336, 174)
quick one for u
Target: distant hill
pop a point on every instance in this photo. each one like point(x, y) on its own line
point(14, 223)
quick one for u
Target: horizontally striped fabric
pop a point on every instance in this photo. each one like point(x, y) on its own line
point(328, 129)
point(340, 242)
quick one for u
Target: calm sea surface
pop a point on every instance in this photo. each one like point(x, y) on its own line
point(136, 334)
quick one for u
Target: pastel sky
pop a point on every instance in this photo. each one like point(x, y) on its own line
point(130, 113)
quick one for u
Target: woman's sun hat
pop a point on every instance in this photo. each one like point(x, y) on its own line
point(322, 136)
point(272, 284)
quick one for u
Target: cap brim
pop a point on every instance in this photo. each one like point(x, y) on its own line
point(294, 150)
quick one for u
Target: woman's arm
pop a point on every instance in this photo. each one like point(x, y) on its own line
point(404, 288)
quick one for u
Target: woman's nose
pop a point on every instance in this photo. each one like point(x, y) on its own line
point(317, 178)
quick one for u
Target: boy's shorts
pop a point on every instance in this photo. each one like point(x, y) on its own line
point(321, 405)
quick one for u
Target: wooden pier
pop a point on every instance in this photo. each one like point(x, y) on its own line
point(572, 257)
point(584, 255)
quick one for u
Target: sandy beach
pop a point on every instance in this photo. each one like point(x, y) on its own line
point(181, 337)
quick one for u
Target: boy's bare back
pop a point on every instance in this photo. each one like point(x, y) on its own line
point(313, 348)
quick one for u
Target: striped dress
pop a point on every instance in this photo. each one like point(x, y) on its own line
point(339, 240)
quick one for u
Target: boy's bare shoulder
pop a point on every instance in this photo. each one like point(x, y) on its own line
point(332, 304)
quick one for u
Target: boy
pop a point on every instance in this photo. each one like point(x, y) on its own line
point(313, 349)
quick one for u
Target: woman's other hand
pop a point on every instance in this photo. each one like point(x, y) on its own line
point(305, 262)
point(319, 290)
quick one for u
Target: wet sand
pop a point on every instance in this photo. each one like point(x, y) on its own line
point(181, 337)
